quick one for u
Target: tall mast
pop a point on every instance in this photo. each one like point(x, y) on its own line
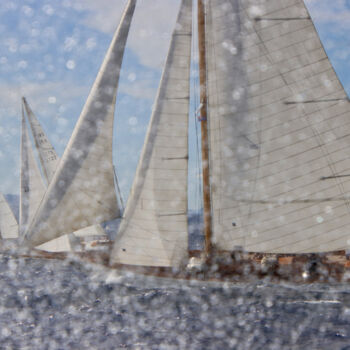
point(204, 128)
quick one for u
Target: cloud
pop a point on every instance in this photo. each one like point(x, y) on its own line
point(139, 89)
point(41, 96)
point(335, 12)
point(151, 28)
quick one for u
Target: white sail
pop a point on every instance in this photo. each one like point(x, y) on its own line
point(32, 188)
point(82, 189)
point(279, 131)
point(8, 222)
point(154, 229)
point(49, 161)
point(94, 231)
point(60, 244)
point(47, 154)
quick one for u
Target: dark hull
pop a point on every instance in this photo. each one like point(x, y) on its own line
point(244, 267)
point(235, 266)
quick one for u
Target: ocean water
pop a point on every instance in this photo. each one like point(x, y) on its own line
point(49, 304)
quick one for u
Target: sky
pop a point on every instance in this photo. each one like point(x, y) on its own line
point(50, 52)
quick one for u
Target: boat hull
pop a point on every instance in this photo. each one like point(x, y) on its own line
point(234, 266)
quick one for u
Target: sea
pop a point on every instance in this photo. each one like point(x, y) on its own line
point(70, 304)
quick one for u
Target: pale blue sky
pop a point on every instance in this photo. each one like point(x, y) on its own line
point(50, 52)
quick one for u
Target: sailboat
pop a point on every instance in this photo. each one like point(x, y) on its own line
point(274, 138)
point(81, 240)
point(81, 192)
point(32, 186)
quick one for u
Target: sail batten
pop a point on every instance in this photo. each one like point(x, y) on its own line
point(278, 125)
point(82, 188)
point(154, 229)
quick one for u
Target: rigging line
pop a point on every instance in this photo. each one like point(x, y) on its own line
point(198, 202)
point(118, 189)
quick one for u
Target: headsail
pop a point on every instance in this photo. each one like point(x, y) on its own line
point(32, 188)
point(154, 229)
point(47, 154)
point(49, 161)
point(8, 222)
point(279, 131)
point(82, 189)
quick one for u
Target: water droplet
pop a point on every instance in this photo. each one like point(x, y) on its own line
point(319, 219)
point(70, 64)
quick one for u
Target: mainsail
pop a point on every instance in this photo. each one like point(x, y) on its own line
point(8, 223)
point(32, 188)
point(279, 131)
point(81, 192)
point(154, 229)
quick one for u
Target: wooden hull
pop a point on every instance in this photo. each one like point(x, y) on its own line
point(244, 267)
point(235, 267)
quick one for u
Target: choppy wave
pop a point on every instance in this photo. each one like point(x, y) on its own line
point(71, 305)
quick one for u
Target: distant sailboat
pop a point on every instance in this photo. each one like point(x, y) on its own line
point(32, 188)
point(81, 192)
point(49, 161)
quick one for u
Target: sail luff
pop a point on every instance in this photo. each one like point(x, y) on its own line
point(82, 189)
point(47, 154)
point(154, 229)
point(278, 131)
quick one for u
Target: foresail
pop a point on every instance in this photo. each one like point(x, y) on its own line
point(47, 154)
point(60, 244)
point(32, 188)
point(154, 229)
point(49, 161)
point(279, 131)
point(8, 223)
point(82, 189)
